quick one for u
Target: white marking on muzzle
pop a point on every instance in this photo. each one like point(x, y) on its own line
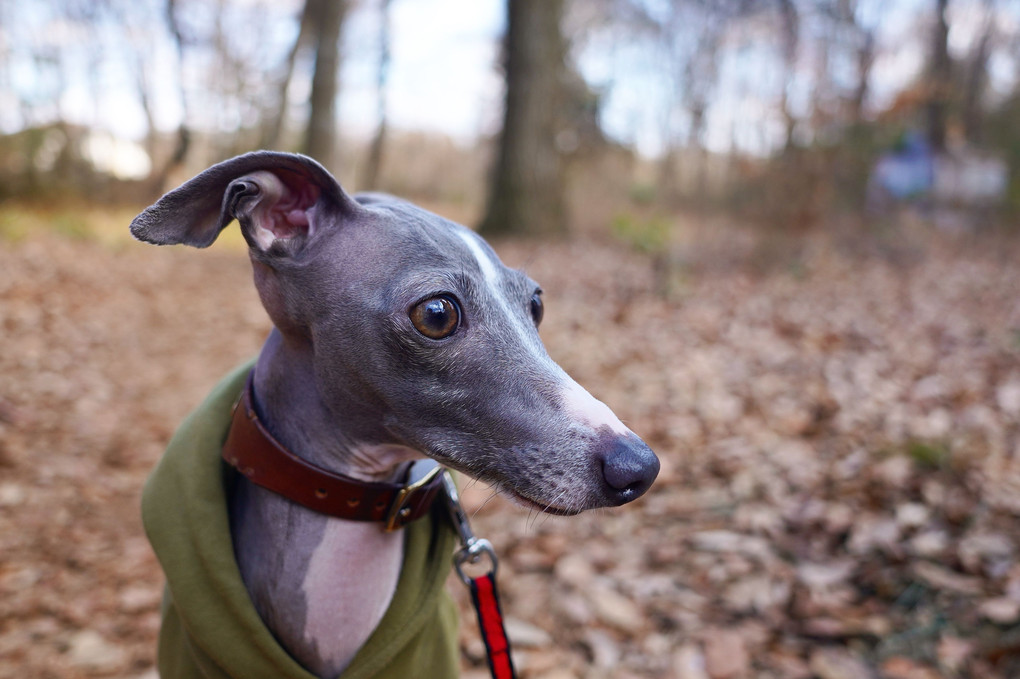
point(579, 404)
point(584, 407)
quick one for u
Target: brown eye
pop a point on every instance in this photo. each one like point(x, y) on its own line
point(537, 308)
point(436, 318)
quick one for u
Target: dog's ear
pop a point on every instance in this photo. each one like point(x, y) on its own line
point(278, 198)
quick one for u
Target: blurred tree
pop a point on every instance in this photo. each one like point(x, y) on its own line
point(375, 149)
point(527, 190)
point(789, 23)
point(274, 119)
point(692, 90)
point(977, 78)
point(690, 35)
point(327, 18)
point(863, 38)
point(939, 78)
point(159, 176)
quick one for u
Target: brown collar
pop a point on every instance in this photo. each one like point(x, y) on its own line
point(263, 460)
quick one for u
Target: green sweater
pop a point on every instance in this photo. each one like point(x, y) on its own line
point(210, 627)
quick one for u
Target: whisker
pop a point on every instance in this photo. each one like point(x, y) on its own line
point(492, 496)
point(553, 503)
point(532, 515)
point(495, 491)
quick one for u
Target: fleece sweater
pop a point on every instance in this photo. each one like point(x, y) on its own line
point(210, 628)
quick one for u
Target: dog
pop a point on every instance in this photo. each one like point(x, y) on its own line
point(398, 336)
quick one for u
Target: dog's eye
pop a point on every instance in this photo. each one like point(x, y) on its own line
point(537, 308)
point(436, 318)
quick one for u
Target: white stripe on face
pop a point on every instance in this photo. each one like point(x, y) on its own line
point(490, 275)
point(489, 272)
point(580, 405)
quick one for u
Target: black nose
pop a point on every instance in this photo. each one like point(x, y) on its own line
point(628, 467)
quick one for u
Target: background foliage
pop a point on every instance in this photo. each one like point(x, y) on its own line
point(832, 381)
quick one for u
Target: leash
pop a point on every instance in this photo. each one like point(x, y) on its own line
point(484, 595)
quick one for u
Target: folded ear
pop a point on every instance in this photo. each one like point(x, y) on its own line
point(278, 198)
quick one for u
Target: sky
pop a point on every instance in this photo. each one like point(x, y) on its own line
point(444, 74)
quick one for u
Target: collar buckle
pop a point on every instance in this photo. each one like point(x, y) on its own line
point(399, 511)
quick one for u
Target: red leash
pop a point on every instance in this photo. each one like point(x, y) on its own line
point(490, 620)
point(483, 588)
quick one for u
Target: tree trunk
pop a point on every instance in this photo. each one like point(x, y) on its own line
point(939, 79)
point(375, 150)
point(667, 181)
point(320, 139)
point(273, 130)
point(696, 143)
point(974, 88)
point(790, 22)
point(159, 177)
point(865, 60)
point(527, 191)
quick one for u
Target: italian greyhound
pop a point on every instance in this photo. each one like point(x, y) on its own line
point(398, 335)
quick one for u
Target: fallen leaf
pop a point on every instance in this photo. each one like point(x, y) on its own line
point(837, 663)
point(1002, 610)
point(942, 578)
point(726, 655)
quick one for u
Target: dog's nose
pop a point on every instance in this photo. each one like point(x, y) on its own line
point(628, 467)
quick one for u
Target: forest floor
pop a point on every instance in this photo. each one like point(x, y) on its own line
point(838, 421)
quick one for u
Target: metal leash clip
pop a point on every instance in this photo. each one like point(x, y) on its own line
point(484, 596)
point(473, 548)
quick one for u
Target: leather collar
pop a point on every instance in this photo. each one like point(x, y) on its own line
point(263, 460)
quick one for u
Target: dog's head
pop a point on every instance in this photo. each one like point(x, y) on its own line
point(418, 334)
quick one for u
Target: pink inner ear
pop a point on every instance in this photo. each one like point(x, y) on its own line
point(288, 215)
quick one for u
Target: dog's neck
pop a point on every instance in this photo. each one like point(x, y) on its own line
point(343, 438)
point(319, 583)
